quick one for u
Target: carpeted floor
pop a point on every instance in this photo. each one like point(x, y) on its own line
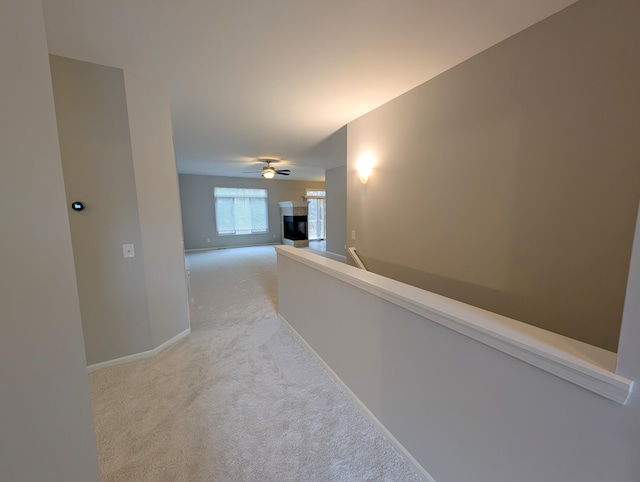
point(240, 399)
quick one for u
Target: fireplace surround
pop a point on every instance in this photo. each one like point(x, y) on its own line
point(293, 223)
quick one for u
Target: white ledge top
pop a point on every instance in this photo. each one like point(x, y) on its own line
point(585, 365)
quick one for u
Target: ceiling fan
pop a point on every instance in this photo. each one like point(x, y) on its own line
point(269, 172)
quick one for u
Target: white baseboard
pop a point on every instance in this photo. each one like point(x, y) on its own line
point(139, 356)
point(210, 248)
point(377, 423)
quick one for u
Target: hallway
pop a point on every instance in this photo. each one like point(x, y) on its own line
point(238, 400)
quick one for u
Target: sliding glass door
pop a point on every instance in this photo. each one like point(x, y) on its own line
point(316, 219)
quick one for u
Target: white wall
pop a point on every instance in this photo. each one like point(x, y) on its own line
point(628, 353)
point(156, 181)
point(46, 428)
point(464, 410)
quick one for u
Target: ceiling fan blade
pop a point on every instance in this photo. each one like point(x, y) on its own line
point(283, 171)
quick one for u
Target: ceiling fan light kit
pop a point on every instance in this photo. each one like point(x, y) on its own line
point(269, 172)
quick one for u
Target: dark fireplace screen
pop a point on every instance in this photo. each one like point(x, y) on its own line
point(295, 228)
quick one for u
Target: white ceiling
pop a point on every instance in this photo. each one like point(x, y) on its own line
point(275, 78)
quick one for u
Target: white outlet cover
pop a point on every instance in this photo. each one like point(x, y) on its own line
point(128, 251)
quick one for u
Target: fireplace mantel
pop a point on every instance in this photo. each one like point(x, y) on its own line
point(295, 204)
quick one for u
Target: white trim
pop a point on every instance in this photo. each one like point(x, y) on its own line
point(171, 341)
point(193, 250)
point(377, 423)
point(352, 251)
point(139, 356)
point(587, 366)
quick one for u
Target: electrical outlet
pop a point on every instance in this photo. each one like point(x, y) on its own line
point(128, 251)
point(208, 240)
point(353, 234)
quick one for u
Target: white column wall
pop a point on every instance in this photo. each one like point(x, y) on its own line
point(156, 181)
point(464, 410)
point(46, 427)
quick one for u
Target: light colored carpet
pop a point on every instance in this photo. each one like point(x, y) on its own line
point(240, 399)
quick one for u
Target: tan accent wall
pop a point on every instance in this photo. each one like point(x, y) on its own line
point(512, 181)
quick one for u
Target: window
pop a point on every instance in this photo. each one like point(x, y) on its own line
point(241, 211)
point(315, 193)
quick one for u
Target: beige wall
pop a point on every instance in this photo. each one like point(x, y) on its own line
point(512, 181)
point(117, 153)
point(198, 214)
point(46, 426)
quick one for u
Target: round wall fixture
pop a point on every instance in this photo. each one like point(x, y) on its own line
point(77, 206)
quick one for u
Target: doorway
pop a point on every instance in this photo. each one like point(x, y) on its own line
point(317, 214)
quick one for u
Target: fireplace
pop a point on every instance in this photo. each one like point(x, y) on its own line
point(294, 223)
point(295, 227)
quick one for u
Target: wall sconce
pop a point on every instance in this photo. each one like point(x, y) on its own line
point(365, 166)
